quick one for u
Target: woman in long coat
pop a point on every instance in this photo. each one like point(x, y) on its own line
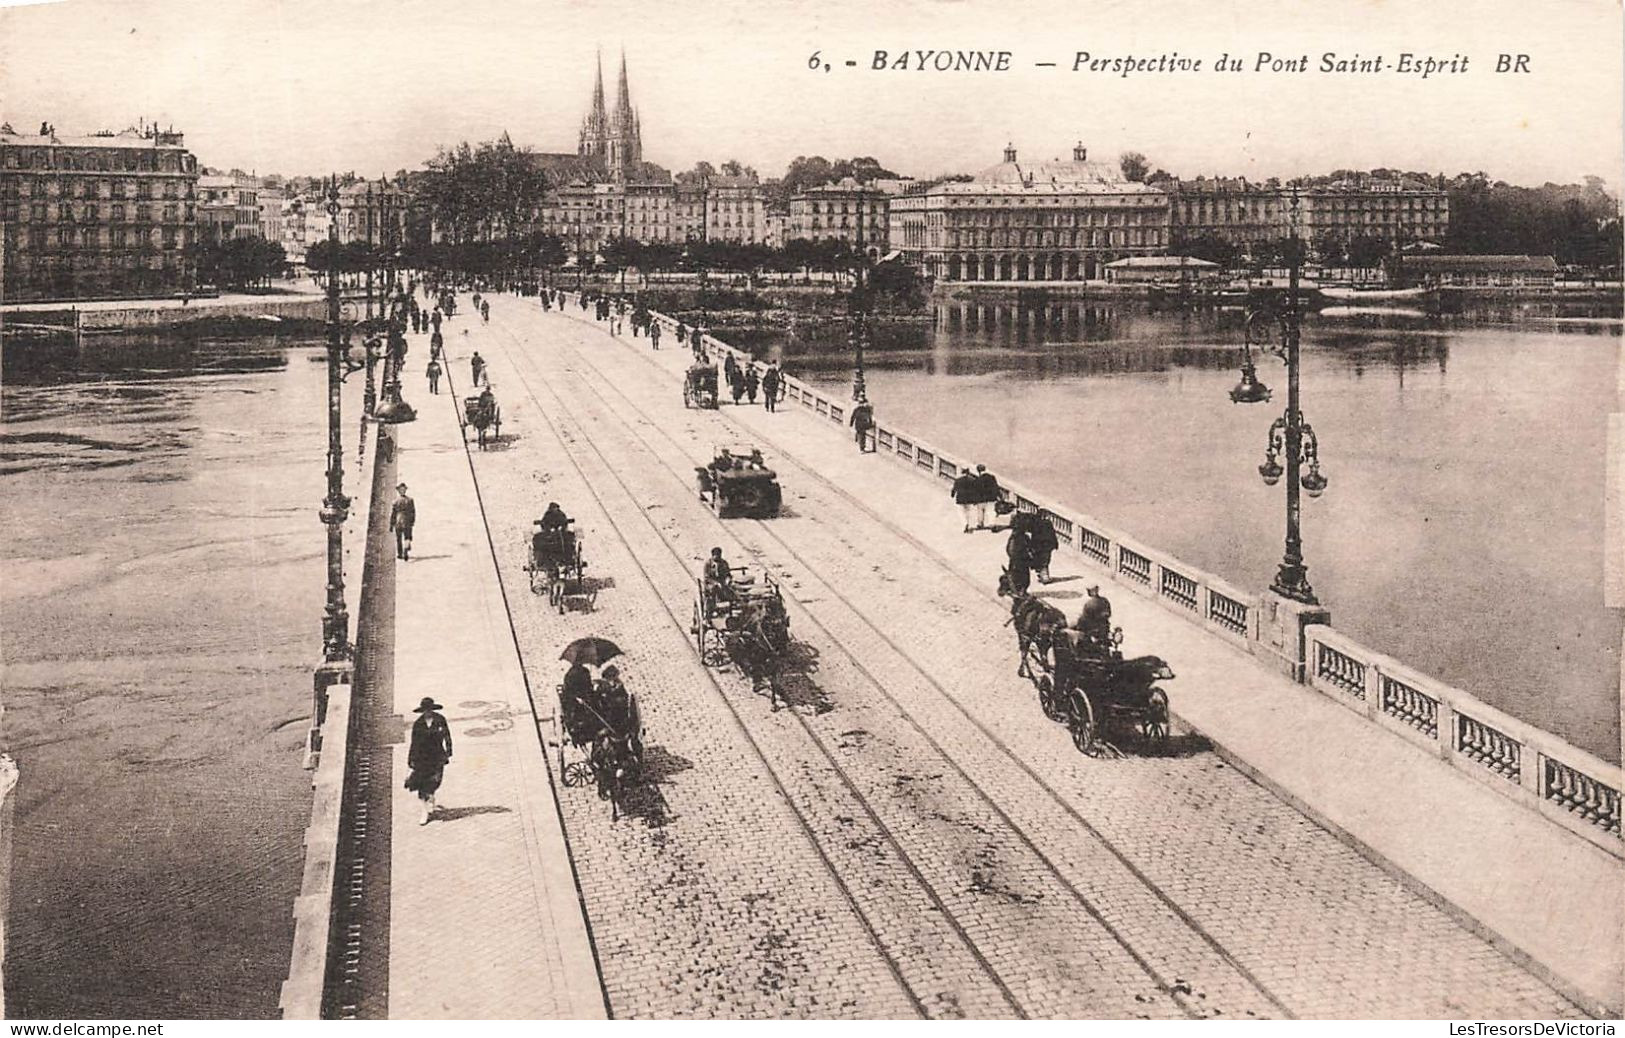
point(1020, 551)
point(428, 754)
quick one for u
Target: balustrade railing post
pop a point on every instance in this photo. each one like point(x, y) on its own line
point(1373, 691)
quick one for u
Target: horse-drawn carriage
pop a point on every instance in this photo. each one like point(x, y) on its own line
point(599, 745)
point(554, 563)
point(700, 386)
point(743, 621)
point(737, 482)
point(482, 412)
point(1082, 679)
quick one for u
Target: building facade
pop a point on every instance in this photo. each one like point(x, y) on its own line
point(1395, 210)
point(1045, 221)
point(844, 211)
point(735, 210)
point(228, 207)
point(1229, 209)
point(1485, 273)
point(100, 216)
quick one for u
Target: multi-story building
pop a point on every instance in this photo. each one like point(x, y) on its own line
point(296, 228)
point(104, 215)
point(228, 206)
point(373, 211)
point(1230, 209)
point(1395, 210)
point(844, 211)
point(735, 209)
point(688, 207)
point(777, 223)
point(272, 202)
point(1045, 221)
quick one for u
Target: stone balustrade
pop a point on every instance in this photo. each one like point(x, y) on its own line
point(1569, 786)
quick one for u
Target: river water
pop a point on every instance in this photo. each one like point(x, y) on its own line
point(163, 574)
point(1464, 528)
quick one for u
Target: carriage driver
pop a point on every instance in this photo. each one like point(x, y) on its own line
point(1094, 623)
point(719, 577)
point(619, 709)
point(554, 518)
point(578, 704)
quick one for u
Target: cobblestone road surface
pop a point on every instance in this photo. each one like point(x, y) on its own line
point(912, 837)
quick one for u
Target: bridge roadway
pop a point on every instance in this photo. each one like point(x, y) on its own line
point(912, 837)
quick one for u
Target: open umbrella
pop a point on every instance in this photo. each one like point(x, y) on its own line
point(591, 652)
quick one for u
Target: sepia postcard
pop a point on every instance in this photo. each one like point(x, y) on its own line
point(824, 509)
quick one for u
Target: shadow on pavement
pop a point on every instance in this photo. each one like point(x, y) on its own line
point(452, 814)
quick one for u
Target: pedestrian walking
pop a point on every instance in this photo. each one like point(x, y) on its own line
point(434, 319)
point(477, 364)
point(753, 382)
point(1018, 550)
point(403, 515)
point(699, 342)
point(730, 369)
point(433, 372)
point(987, 497)
point(964, 494)
point(772, 383)
point(863, 420)
point(654, 335)
point(736, 382)
point(428, 755)
point(1043, 543)
point(485, 311)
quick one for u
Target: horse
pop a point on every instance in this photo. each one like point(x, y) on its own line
point(1037, 622)
point(759, 641)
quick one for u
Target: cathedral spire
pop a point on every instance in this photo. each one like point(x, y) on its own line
point(598, 114)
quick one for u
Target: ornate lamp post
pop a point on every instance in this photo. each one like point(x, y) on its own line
point(335, 507)
point(858, 313)
point(1289, 436)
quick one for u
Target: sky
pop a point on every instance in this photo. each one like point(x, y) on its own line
point(304, 86)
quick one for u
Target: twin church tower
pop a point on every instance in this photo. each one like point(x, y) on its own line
point(613, 138)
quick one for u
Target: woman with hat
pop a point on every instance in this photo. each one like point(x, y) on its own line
point(428, 754)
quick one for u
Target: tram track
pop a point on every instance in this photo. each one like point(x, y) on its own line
point(1169, 982)
point(1296, 911)
point(811, 568)
point(946, 1001)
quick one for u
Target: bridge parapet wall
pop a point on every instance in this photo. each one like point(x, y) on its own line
point(1572, 788)
point(328, 749)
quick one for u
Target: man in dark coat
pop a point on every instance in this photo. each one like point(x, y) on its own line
point(654, 334)
point(1043, 544)
point(403, 515)
point(964, 495)
point(772, 382)
point(752, 383)
point(428, 754)
point(987, 493)
point(434, 376)
point(476, 363)
point(1019, 551)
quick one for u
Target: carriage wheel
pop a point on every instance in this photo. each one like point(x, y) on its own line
point(1046, 699)
point(1082, 723)
point(577, 773)
point(1154, 726)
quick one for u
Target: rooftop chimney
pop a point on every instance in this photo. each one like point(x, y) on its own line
point(1009, 153)
point(1080, 153)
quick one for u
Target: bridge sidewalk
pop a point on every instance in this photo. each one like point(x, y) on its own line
point(485, 921)
point(1547, 898)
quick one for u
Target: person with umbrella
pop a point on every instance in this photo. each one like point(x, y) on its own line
point(577, 704)
point(428, 755)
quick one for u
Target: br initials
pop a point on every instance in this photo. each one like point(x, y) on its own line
point(1512, 63)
